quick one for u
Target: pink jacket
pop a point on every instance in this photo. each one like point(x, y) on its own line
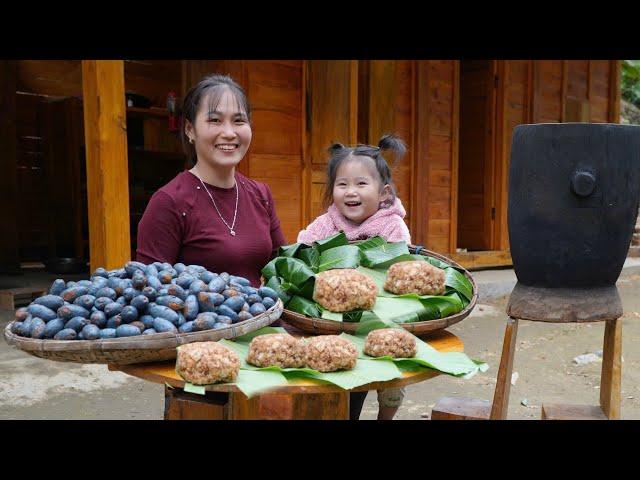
point(386, 222)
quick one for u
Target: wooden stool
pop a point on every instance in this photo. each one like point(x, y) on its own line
point(11, 298)
point(554, 305)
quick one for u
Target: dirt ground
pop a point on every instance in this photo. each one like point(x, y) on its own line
point(32, 388)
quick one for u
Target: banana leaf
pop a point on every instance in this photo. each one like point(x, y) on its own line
point(458, 282)
point(454, 363)
point(269, 270)
point(333, 241)
point(297, 277)
point(329, 315)
point(371, 243)
point(382, 254)
point(346, 256)
point(311, 257)
point(275, 283)
point(303, 306)
point(365, 371)
point(290, 250)
point(353, 316)
point(435, 262)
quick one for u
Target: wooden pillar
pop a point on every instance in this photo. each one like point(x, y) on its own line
point(105, 133)
point(9, 259)
point(615, 91)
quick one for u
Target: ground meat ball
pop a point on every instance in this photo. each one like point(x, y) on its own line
point(395, 342)
point(202, 363)
point(342, 290)
point(279, 349)
point(328, 353)
point(414, 277)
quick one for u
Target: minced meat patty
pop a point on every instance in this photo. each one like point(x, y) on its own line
point(343, 290)
point(328, 353)
point(394, 342)
point(203, 363)
point(415, 277)
point(276, 349)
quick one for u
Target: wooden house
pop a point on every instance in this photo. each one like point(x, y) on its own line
point(78, 165)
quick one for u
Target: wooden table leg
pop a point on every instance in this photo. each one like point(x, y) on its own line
point(329, 406)
point(503, 381)
point(180, 405)
point(610, 377)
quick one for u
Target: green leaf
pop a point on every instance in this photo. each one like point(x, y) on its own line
point(275, 283)
point(458, 282)
point(333, 241)
point(383, 254)
point(329, 315)
point(293, 270)
point(371, 243)
point(304, 306)
point(269, 270)
point(453, 363)
point(346, 256)
point(311, 257)
point(297, 277)
point(407, 309)
point(252, 382)
point(191, 388)
point(290, 250)
point(435, 262)
point(371, 322)
point(365, 371)
point(446, 304)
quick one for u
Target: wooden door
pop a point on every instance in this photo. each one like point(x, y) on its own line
point(476, 186)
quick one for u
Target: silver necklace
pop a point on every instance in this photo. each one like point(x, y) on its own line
point(235, 212)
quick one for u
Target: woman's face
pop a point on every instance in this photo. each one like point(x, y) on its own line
point(357, 192)
point(221, 136)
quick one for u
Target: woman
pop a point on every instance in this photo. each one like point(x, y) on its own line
point(211, 215)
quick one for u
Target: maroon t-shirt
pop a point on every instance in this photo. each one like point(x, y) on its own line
point(181, 224)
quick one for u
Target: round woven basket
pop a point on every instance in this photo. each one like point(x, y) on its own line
point(138, 349)
point(322, 326)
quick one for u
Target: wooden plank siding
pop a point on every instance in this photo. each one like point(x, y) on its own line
point(436, 150)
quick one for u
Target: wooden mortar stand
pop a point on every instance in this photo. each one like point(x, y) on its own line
point(554, 305)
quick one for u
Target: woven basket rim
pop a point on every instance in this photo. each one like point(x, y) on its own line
point(323, 325)
point(77, 350)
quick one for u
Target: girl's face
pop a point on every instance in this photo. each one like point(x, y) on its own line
point(357, 192)
point(222, 135)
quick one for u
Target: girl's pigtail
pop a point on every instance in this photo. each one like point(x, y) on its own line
point(393, 143)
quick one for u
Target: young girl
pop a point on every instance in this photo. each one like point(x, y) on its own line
point(364, 204)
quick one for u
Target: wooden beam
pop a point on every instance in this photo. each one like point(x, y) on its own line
point(482, 259)
point(563, 97)
point(105, 132)
point(9, 259)
point(614, 91)
point(353, 101)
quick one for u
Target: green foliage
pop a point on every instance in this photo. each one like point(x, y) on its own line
point(631, 81)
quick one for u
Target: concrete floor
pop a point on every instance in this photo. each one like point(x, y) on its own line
point(32, 388)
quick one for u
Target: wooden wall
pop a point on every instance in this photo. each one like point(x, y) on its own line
point(436, 166)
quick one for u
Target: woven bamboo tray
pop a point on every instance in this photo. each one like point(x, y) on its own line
point(139, 349)
point(322, 326)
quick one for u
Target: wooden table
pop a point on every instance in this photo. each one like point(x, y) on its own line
point(302, 399)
